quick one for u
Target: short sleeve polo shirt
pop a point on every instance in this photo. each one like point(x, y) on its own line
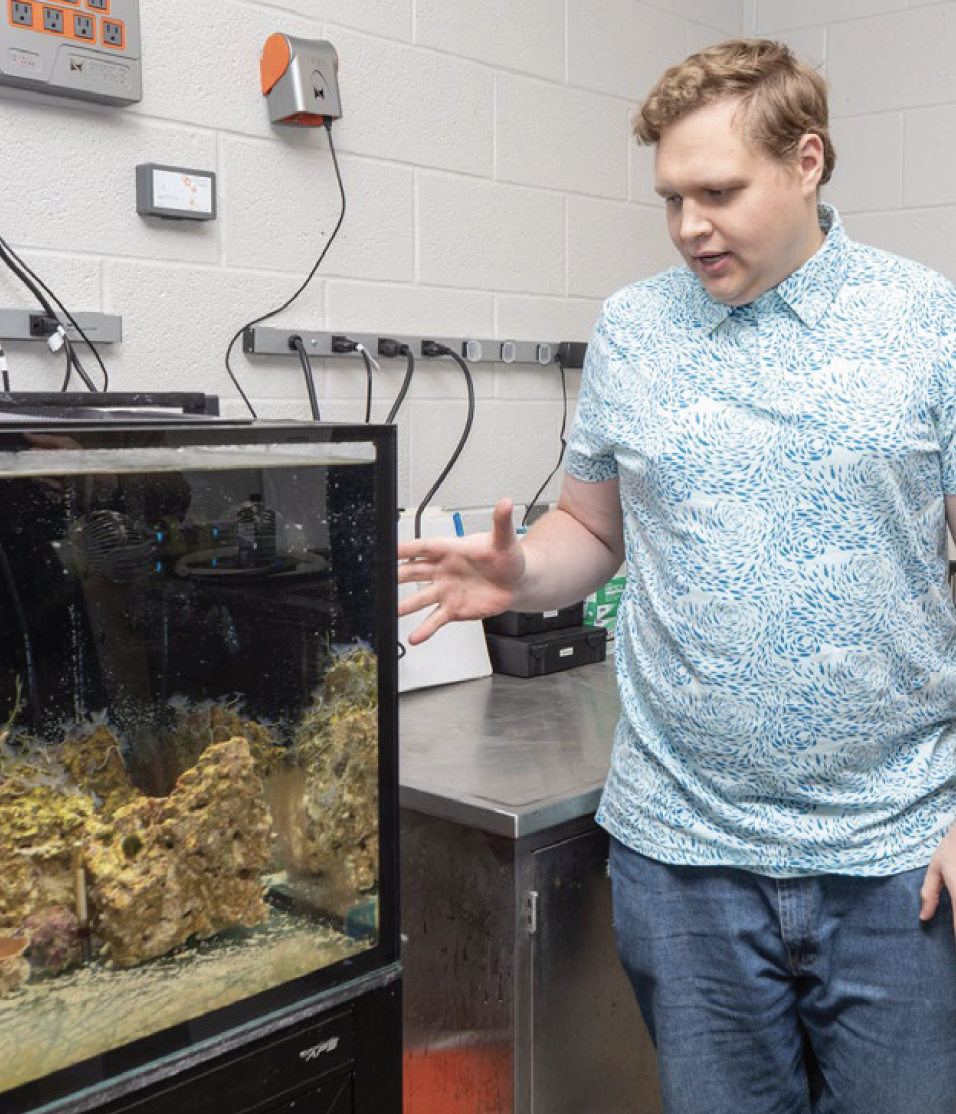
point(786, 645)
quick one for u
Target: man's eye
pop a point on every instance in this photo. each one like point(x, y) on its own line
point(718, 195)
point(673, 199)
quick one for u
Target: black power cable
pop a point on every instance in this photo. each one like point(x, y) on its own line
point(29, 661)
point(68, 373)
point(363, 352)
point(299, 345)
point(564, 445)
point(37, 287)
point(405, 351)
point(288, 302)
point(432, 348)
point(346, 344)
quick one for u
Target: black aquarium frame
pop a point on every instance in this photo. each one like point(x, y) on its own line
point(365, 987)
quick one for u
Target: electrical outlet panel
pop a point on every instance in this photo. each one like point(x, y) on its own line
point(89, 49)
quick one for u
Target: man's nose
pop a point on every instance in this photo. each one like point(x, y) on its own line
point(694, 222)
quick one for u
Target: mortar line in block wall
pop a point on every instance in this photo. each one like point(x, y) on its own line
point(494, 128)
point(223, 202)
point(567, 44)
point(501, 68)
point(750, 18)
point(567, 245)
point(905, 210)
point(416, 230)
point(902, 170)
point(773, 33)
point(892, 109)
point(468, 176)
point(727, 32)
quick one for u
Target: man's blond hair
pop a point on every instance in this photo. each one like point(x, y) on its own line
point(781, 99)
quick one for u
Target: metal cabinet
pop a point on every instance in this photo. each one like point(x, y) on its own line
point(514, 999)
point(589, 1049)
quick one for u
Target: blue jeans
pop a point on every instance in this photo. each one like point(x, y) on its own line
point(820, 995)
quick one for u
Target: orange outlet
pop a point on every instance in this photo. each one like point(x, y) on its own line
point(54, 20)
point(84, 27)
point(64, 23)
point(113, 33)
point(21, 14)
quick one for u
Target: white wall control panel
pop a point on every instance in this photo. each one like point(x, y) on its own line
point(175, 193)
point(88, 49)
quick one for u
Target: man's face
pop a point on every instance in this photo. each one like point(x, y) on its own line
point(742, 220)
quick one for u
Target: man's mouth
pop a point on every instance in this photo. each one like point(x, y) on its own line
point(712, 262)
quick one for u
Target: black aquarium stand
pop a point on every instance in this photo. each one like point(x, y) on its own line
point(346, 1058)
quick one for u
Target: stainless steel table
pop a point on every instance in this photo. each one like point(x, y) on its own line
point(514, 999)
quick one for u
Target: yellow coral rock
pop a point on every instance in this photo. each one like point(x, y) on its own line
point(187, 865)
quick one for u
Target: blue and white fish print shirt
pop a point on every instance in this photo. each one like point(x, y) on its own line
point(786, 645)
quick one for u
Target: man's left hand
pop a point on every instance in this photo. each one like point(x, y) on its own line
point(940, 872)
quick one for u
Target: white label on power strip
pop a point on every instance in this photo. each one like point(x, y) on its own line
point(566, 652)
point(24, 60)
point(549, 614)
point(111, 73)
point(190, 193)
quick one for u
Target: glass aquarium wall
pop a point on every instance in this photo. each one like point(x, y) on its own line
point(194, 736)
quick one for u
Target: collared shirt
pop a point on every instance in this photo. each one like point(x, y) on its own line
point(786, 645)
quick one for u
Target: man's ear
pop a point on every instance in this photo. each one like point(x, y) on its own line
point(810, 159)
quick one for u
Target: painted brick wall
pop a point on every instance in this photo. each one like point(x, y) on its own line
point(493, 190)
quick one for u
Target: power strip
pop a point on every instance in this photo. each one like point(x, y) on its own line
point(89, 49)
point(25, 324)
point(259, 341)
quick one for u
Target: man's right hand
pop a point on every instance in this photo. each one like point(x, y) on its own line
point(461, 578)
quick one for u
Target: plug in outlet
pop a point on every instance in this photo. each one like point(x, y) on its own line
point(84, 27)
point(53, 20)
point(22, 14)
point(42, 326)
point(100, 5)
point(112, 33)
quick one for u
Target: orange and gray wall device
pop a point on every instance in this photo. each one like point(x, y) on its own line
point(89, 49)
point(300, 80)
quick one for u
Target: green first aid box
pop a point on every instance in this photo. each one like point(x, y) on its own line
point(600, 608)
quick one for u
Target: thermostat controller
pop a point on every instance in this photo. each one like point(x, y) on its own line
point(88, 49)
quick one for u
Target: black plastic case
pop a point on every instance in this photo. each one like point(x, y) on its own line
point(533, 655)
point(533, 622)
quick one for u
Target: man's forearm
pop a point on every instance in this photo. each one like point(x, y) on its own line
point(564, 561)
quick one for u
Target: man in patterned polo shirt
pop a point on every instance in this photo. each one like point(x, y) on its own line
point(767, 436)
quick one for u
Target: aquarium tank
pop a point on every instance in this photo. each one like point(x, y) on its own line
point(198, 788)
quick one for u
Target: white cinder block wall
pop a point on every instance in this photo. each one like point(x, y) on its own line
point(889, 64)
point(493, 189)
